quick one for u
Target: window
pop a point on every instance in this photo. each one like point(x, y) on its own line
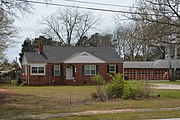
point(56, 70)
point(112, 68)
point(37, 70)
point(90, 69)
point(177, 72)
point(41, 69)
point(34, 70)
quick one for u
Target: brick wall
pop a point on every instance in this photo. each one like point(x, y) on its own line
point(79, 77)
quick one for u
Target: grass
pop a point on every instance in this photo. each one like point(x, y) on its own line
point(167, 93)
point(59, 99)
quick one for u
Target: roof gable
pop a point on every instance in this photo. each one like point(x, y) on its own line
point(24, 60)
point(83, 57)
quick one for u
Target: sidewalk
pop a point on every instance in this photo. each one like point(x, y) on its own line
point(46, 116)
point(166, 119)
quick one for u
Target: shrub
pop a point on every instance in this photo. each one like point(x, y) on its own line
point(131, 90)
point(115, 89)
point(119, 88)
point(99, 81)
point(19, 82)
point(144, 90)
point(13, 82)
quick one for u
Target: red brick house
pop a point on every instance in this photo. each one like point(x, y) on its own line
point(69, 65)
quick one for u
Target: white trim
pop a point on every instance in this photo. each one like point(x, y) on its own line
point(28, 73)
point(38, 65)
point(54, 70)
point(24, 60)
point(89, 70)
point(83, 57)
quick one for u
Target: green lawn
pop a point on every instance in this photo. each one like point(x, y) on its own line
point(59, 99)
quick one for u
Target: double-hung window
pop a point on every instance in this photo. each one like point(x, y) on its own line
point(34, 70)
point(37, 70)
point(90, 69)
point(56, 70)
point(41, 70)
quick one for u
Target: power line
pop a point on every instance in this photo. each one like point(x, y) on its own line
point(106, 4)
point(62, 5)
point(88, 8)
point(97, 3)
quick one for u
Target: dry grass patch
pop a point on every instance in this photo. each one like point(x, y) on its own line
point(56, 99)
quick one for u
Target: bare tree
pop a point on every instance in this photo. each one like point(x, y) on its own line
point(157, 21)
point(13, 7)
point(162, 24)
point(126, 44)
point(69, 24)
point(86, 21)
point(7, 32)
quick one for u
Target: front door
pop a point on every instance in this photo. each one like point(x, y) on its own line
point(69, 72)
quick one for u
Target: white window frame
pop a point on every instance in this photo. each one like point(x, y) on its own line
point(114, 69)
point(55, 70)
point(38, 66)
point(90, 69)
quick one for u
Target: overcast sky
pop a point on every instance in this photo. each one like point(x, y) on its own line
point(30, 26)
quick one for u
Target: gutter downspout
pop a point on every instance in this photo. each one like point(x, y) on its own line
point(28, 72)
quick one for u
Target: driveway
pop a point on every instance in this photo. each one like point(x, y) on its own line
point(165, 86)
point(167, 119)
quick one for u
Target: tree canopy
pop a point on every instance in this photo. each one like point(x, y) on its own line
point(69, 25)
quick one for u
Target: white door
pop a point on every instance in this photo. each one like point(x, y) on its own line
point(69, 72)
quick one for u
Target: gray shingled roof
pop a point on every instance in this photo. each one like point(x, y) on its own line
point(59, 54)
point(151, 64)
point(33, 57)
point(138, 64)
point(161, 64)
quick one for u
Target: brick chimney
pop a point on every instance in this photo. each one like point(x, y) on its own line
point(40, 47)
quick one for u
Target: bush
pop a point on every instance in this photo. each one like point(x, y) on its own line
point(131, 90)
point(144, 90)
point(119, 88)
point(115, 89)
point(13, 82)
point(19, 82)
point(99, 81)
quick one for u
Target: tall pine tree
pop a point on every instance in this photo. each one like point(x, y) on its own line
point(27, 46)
